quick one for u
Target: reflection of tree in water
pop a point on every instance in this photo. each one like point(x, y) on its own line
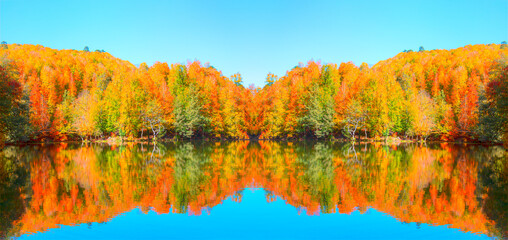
point(349, 152)
point(317, 172)
point(68, 184)
point(189, 174)
point(13, 183)
point(494, 184)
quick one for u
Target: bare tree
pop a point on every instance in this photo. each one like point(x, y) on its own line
point(153, 118)
point(355, 119)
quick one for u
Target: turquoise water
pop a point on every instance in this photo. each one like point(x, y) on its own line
point(254, 218)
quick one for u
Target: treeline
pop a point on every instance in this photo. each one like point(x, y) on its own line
point(445, 94)
point(69, 94)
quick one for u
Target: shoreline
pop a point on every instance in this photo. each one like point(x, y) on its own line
point(123, 141)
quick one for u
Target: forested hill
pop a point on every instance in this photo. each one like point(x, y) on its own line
point(69, 94)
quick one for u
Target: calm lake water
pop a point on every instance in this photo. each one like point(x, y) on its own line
point(253, 190)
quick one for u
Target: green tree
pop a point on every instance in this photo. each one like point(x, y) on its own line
point(320, 113)
point(14, 108)
point(490, 121)
point(493, 106)
point(187, 113)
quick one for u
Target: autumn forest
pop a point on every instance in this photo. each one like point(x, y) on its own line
point(448, 95)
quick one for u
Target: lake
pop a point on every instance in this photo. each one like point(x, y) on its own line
point(253, 190)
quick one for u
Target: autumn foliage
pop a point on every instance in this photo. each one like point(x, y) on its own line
point(93, 94)
point(69, 94)
point(414, 94)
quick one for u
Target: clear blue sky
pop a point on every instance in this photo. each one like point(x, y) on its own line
point(253, 37)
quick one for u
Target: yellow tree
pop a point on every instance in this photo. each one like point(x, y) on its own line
point(423, 111)
point(84, 110)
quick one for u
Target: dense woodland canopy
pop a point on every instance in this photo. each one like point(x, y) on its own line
point(69, 94)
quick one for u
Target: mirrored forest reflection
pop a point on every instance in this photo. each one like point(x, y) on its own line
point(44, 186)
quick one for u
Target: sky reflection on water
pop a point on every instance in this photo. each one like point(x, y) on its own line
point(254, 218)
